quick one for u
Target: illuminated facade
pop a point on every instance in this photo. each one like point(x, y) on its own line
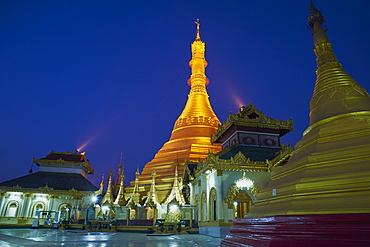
point(321, 197)
point(60, 189)
point(225, 185)
point(191, 135)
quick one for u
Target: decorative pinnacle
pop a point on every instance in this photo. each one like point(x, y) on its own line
point(198, 29)
point(176, 169)
point(102, 181)
point(154, 173)
point(137, 170)
point(315, 15)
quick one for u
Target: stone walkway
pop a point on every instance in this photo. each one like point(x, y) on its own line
point(74, 238)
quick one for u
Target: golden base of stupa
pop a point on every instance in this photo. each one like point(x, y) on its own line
point(327, 174)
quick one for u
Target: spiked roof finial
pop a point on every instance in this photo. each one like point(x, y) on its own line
point(315, 15)
point(198, 29)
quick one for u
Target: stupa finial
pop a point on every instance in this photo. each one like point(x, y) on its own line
point(197, 37)
point(315, 15)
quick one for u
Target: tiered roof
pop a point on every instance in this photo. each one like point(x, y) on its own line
point(250, 117)
point(53, 180)
point(65, 159)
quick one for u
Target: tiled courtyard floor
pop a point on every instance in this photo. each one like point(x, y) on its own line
point(69, 238)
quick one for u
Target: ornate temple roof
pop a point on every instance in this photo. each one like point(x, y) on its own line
point(66, 156)
point(254, 153)
point(52, 180)
point(237, 162)
point(249, 116)
point(65, 159)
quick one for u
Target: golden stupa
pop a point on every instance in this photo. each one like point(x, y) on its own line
point(329, 170)
point(321, 197)
point(191, 135)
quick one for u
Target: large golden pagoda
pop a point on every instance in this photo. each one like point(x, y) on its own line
point(329, 170)
point(191, 135)
point(321, 197)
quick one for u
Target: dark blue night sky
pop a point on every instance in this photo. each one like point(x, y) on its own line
point(112, 74)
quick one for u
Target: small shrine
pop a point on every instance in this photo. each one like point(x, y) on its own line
point(225, 185)
point(58, 192)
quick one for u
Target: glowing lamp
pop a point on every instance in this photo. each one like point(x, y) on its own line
point(174, 208)
point(244, 182)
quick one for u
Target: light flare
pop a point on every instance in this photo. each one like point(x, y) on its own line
point(238, 101)
point(85, 144)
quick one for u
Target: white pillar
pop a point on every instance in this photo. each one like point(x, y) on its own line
point(26, 205)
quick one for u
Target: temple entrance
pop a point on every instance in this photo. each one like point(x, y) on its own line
point(64, 210)
point(239, 200)
point(173, 211)
point(241, 209)
point(242, 203)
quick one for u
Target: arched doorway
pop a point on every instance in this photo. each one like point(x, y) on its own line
point(12, 209)
point(213, 204)
point(64, 210)
point(38, 206)
point(239, 200)
point(241, 203)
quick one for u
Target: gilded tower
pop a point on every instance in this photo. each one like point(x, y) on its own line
point(328, 172)
point(321, 197)
point(191, 135)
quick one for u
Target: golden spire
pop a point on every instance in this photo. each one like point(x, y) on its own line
point(198, 110)
point(152, 199)
point(101, 189)
point(120, 167)
point(120, 199)
point(102, 182)
point(176, 192)
point(335, 93)
point(197, 37)
point(136, 188)
point(108, 197)
point(191, 134)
